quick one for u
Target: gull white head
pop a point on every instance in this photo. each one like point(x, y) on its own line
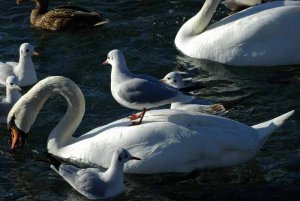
point(27, 50)
point(174, 79)
point(12, 83)
point(117, 60)
point(122, 156)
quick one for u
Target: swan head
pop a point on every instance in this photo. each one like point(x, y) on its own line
point(122, 156)
point(12, 83)
point(174, 79)
point(116, 59)
point(27, 50)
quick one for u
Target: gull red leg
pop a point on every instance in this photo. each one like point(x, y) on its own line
point(141, 116)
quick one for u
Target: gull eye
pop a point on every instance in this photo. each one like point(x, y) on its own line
point(27, 50)
point(168, 78)
point(11, 83)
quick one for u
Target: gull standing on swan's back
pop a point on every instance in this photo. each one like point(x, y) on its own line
point(263, 35)
point(96, 184)
point(167, 141)
point(197, 105)
point(12, 96)
point(139, 91)
point(24, 70)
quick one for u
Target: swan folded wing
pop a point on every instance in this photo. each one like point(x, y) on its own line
point(141, 91)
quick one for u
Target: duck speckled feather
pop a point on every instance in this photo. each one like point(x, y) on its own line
point(63, 17)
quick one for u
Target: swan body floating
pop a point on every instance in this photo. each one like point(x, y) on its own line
point(24, 70)
point(138, 91)
point(197, 105)
point(263, 35)
point(12, 96)
point(94, 183)
point(167, 140)
point(63, 17)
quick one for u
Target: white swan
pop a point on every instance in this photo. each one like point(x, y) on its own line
point(167, 141)
point(12, 96)
point(94, 183)
point(263, 35)
point(24, 70)
point(174, 79)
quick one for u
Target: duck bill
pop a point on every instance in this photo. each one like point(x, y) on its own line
point(35, 54)
point(105, 62)
point(135, 158)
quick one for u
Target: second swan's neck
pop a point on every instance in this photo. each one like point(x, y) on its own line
point(28, 107)
point(199, 22)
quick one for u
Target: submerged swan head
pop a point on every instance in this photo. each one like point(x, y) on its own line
point(27, 50)
point(23, 114)
point(174, 79)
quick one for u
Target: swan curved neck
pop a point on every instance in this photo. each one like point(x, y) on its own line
point(27, 108)
point(199, 22)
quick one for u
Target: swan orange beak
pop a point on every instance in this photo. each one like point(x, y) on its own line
point(135, 158)
point(35, 54)
point(105, 62)
point(18, 137)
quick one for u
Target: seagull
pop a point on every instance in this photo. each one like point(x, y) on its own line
point(12, 96)
point(139, 91)
point(93, 183)
point(175, 80)
point(23, 70)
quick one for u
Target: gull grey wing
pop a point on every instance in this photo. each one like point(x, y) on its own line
point(91, 185)
point(143, 91)
point(6, 70)
point(68, 172)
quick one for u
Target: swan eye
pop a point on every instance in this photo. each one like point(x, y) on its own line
point(119, 158)
point(126, 156)
point(27, 50)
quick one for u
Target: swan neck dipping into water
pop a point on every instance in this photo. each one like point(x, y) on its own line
point(28, 107)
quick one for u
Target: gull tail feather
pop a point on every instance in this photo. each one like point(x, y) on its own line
point(266, 128)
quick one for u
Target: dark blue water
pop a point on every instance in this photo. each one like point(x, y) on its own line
point(145, 32)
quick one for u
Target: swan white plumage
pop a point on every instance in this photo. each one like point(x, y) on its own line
point(263, 35)
point(24, 70)
point(238, 5)
point(94, 183)
point(174, 79)
point(167, 141)
point(12, 96)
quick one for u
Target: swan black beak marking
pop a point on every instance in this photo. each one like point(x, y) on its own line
point(135, 158)
point(18, 136)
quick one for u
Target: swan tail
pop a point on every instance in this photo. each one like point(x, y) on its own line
point(266, 128)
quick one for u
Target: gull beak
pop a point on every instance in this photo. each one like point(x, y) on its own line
point(162, 80)
point(18, 137)
point(105, 62)
point(135, 158)
point(35, 54)
point(17, 87)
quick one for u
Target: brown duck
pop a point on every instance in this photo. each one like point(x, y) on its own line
point(63, 17)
